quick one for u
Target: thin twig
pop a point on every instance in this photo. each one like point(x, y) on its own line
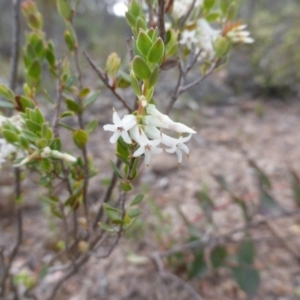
point(107, 195)
point(15, 44)
point(130, 48)
point(15, 249)
point(12, 84)
point(161, 19)
point(166, 275)
point(187, 15)
point(181, 87)
point(219, 239)
point(103, 78)
point(58, 103)
point(84, 147)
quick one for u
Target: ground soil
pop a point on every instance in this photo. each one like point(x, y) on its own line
point(228, 135)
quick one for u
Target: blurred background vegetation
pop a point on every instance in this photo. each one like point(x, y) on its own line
point(267, 68)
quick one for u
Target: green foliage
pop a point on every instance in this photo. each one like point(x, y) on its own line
point(276, 57)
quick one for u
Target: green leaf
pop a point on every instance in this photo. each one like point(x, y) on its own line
point(224, 5)
point(206, 204)
point(84, 92)
point(246, 252)
point(72, 105)
point(135, 8)
point(141, 24)
point(107, 206)
point(248, 279)
point(197, 267)
point(35, 70)
point(232, 11)
point(116, 169)
point(221, 46)
point(42, 143)
point(137, 199)
point(64, 9)
point(33, 126)
point(5, 104)
point(156, 52)
point(154, 77)
point(111, 212)
point(43, 272)
point(47, 132)
point(125, 186)
point(25, 102)
point(140, 68)
point(7, 93)
point(71, 81)
point(91, 99)
point(295, 184)
point(218, 256)
point(55, 144)
point(144, 43)
point(66, 114)
point(30, 135)
point(267, 203)
point(152, 33)
point(123, 80)
point(133, 212)
point(50, 57)
point(209, 4)
point(24, 142)
point(131, 20)
point(107, 227)
point(80, 138)
point(135, 84)
point(213, 17)
point(46, 165)
point(91, 126)
point(10, 136)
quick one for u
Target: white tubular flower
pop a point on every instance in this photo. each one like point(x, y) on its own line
point(5, 151)
point(176, 145)
point(181, 7)
point(188, 38)
point(63, 156)
point(47, 152)
point(161, 120)
point(15, 120)
point(147, 147)
point(206, 36)
point(27, 159)
point(2, 120)
point(120, 127)
point(238, 35)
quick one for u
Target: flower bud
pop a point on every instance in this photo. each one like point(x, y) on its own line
point(113, 64)
point(83, 246)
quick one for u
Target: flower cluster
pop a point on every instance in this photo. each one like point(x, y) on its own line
point(181, 7)
point(146, 132)
point(203, 37)
point(6, 149)
point(237, 34)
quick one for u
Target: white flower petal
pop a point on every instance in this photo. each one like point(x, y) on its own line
point(140, 151)
point(147, 157)
point(156, 150)
point(116, 118)
point(179, 154)
point(184, 148)
point(110, 127)
point(126, 137)
point(115, 137)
